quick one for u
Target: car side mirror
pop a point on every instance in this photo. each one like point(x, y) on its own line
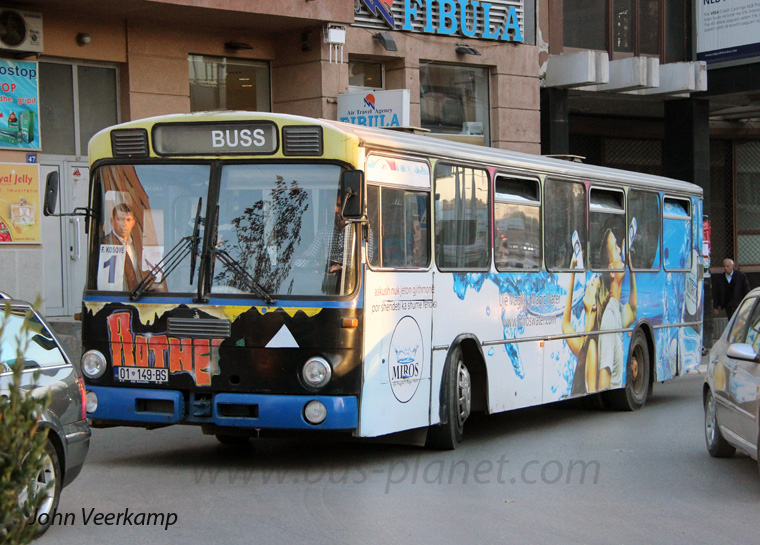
point(352, 190)
point(742, 351)
point(51, 194)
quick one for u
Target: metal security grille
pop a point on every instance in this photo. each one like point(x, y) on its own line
point(748, 203)
point(635, 155)
point(721, 212)
point(498, 15)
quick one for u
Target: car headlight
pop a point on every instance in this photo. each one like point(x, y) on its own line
point(316, 372)
point(93, 364)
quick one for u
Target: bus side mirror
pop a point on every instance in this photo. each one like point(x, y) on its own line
point(51, 194)
point(352, 190)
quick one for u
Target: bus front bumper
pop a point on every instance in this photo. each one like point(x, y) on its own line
point(263, 411)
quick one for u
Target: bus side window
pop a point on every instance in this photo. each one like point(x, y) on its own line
point(398, 233)
point(461, 219)
point(564, 223)
point(607, 230)
point(644, 238)
point(517, 224)
point(676, 234)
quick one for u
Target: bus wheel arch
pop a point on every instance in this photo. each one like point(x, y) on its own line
point(463, 388)
point(639, 373)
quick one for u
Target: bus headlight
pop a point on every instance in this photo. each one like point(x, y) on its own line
point(93, 364)
point(316, 372)
point(314, 412)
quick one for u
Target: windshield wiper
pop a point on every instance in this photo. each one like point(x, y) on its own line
point(175, 256)
point(166, 266)
point(231, 263)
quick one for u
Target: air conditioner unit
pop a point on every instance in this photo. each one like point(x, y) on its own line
point(20, 30)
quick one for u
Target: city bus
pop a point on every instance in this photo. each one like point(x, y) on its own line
point(257, 274)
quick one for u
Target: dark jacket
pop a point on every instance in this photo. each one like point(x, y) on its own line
point(728, 296)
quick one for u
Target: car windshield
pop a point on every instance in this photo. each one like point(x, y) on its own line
point(277, 231)
point(34, 343)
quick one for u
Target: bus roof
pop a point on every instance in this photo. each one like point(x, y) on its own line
point(427, 146)
point(447, 149)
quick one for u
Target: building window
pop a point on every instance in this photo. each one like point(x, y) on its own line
point(628, 27)
point(363, 76)
point(76, 101)
point(454, 101)
point(217, 83)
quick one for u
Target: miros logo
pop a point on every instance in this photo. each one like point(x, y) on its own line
point(406, 359)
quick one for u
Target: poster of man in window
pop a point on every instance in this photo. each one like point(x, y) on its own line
point(19, 203)
point(19, 112)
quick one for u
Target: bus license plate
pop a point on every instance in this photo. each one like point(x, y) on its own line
point(137, 374)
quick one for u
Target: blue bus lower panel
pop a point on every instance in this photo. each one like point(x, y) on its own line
point(263, 411)
point(136, 405)
point(283, 411)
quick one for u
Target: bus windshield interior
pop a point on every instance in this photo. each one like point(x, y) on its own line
point(275, 230)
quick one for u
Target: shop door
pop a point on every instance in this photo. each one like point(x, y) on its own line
point(64, 239)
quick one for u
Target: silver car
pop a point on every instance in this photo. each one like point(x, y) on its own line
point(732, 388)
point(68, 437)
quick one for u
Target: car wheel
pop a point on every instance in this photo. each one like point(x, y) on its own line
point(49, 484)
point(634, 395)
point(717, 445)
point(456, 404)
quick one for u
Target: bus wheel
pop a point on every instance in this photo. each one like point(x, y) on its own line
point(456, 403)
point(634, 395)
point(232, 440)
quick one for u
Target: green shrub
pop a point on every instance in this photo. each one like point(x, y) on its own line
point(22, 441)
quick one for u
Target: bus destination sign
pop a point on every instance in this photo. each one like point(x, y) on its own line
point(231, 138)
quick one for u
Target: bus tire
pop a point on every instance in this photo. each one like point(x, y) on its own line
point(634, 395)
point(456, 404)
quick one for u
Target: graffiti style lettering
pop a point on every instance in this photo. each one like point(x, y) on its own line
point(198, 357)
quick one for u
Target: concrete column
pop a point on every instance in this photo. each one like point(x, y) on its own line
point(555, 129)
point(687, 157)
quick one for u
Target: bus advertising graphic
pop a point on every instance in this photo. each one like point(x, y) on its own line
point(19, 112)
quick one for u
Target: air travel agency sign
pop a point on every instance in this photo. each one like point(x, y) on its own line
point(494, 20)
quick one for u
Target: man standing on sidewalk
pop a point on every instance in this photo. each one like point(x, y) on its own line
point(729, 289)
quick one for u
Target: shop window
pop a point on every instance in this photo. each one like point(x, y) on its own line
point(363, 75)
point(217, 83)
point(454, 101)
point(565, 224)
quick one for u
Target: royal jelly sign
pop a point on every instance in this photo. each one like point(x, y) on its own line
point(375, 109)
point(494, 20)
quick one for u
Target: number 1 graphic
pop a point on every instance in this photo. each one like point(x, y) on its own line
point(111, 264)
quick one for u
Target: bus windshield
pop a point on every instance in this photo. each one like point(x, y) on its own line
point(275, 230)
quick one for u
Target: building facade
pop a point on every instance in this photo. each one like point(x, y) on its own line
point(471, 70)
